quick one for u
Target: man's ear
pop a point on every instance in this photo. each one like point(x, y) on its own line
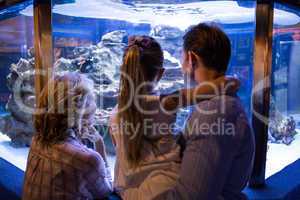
point(160, 74)
point(190, 61)
point(194, 59)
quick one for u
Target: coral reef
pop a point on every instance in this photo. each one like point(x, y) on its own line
point(281, 129)
point(169, 37)
point(19, 125)
point(101, 63)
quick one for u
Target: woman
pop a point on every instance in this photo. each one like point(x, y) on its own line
point(59, 165)
point(148, 158)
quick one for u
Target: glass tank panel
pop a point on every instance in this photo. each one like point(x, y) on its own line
point(90, 37)
point(16, 83)
point(284, 137)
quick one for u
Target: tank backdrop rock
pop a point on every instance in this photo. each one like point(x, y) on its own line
point(169, 37)
point(282, 129)
point(19, 124)
point(101, 63)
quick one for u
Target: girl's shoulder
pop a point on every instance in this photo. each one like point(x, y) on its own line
point(78, 151)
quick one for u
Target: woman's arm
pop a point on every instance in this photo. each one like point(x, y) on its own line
point(204, 91)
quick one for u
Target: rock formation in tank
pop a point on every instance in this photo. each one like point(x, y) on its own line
point(18, 125)
point(169, 37)
point(101, 63)
point(281, 129)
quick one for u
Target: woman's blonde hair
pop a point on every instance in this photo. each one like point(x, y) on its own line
point(66, 107)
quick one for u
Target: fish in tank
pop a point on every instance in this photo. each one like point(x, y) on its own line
point(90, 36)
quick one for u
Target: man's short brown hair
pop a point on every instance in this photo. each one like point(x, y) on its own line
point(211, 44)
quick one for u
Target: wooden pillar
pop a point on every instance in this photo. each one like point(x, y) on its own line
point(261, 87)
point(42, 43)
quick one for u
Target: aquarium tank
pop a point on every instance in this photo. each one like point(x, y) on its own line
point(89, 37)
point(284, 124)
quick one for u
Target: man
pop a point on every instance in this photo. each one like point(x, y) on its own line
point(218, 156)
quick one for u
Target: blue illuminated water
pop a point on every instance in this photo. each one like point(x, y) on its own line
point(89, 20)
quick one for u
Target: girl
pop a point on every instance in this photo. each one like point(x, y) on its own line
point(59, 165)
point(148, 157)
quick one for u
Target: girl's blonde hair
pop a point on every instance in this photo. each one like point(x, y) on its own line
point(66, 107)
point(142, 61)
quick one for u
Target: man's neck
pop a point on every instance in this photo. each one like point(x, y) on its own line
point(209, 76)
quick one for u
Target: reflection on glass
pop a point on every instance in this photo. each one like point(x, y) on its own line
point(284, 137)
